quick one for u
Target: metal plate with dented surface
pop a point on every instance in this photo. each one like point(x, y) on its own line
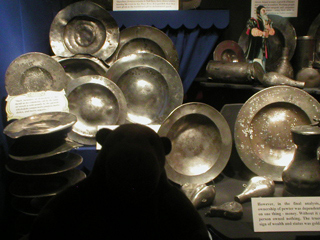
point(201, 143)
point(263, 128)
point(151, 85)
point(84, 28)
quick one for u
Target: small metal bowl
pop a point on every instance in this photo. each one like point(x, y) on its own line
point(151, 85)
point(95, 100)
point(201, 143)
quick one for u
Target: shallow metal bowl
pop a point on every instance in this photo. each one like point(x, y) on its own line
point(84, 28)
point(34, 72)
point(95, 100)
point(263, 128)
point(151, 85)
point(82, 65)
point(228, 51)
point(146, 39)
point(39, 124)
point(201, 143)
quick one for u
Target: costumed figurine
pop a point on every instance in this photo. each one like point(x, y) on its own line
point(127, 195)
point(259, 29)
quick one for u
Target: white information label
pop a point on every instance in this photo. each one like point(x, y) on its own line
point(31, 103)
point(283, 8)
point(149, 5)
point(286, 214)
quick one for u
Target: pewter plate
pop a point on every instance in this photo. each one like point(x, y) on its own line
point(84, 28)
point(39, 124)
point(146, 39)
point(82, 65)
point(45, 186)
point(45, 166)
point(151, 85)
point(34, 72)
point(285, 36)
point(228, 51)
point(95, 100)
point(263, 128)
point(201, 143)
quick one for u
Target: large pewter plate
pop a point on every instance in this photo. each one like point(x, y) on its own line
point(201, 143)
point(84, 28)
point(285, 36)
point(95, 100)
point(146, 39)
point(39, 124)
point(151, 85)
point(34, 72)
point(263, 128)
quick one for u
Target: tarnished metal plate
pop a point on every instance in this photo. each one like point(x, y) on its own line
point(45, 166)
point(201, 143)
point(34, 72)
point(44, 186)
point(151, 85)
point(228, 51)
point(82, 65)
point(42, 123)
point(84, 28)
point(263, 128)
point(95, 100)
point(146, 39)
point(285, 36)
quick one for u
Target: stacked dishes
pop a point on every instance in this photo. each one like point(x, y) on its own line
point(40, 159)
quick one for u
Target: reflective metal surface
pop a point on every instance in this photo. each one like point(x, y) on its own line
point(66, 146)
point(34, 72)
point(39, 124)
point(45, 166)
point(201, 195)
point(84, 28)
point(95, 100)
point(285, 36)
point(314, 31)
point(82, 65)
point(201, 143)
point(228, 51)
point(274, 78)
point(151, 85)
point(259, 186)
point(262, 130)
point(44, 186)
point(229, 210)
point(146, 39)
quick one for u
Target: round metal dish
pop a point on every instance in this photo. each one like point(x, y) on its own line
point(84, 28)
point(314, 31)
point(285, 36)
point(95, 100)
point(45, 186)
point(201, 143)
point(82, 65)
point(146, 39)
point(35, 153)
point(40, 124)
point(29, 206)
point(228, 51)
point(151, 86)
point(45, 166)
point(263, 128)
point(34, 72)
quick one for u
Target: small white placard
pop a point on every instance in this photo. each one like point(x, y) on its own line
point(286, 214)
point(149, 5)
point(31, 103)
point(283, 8)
